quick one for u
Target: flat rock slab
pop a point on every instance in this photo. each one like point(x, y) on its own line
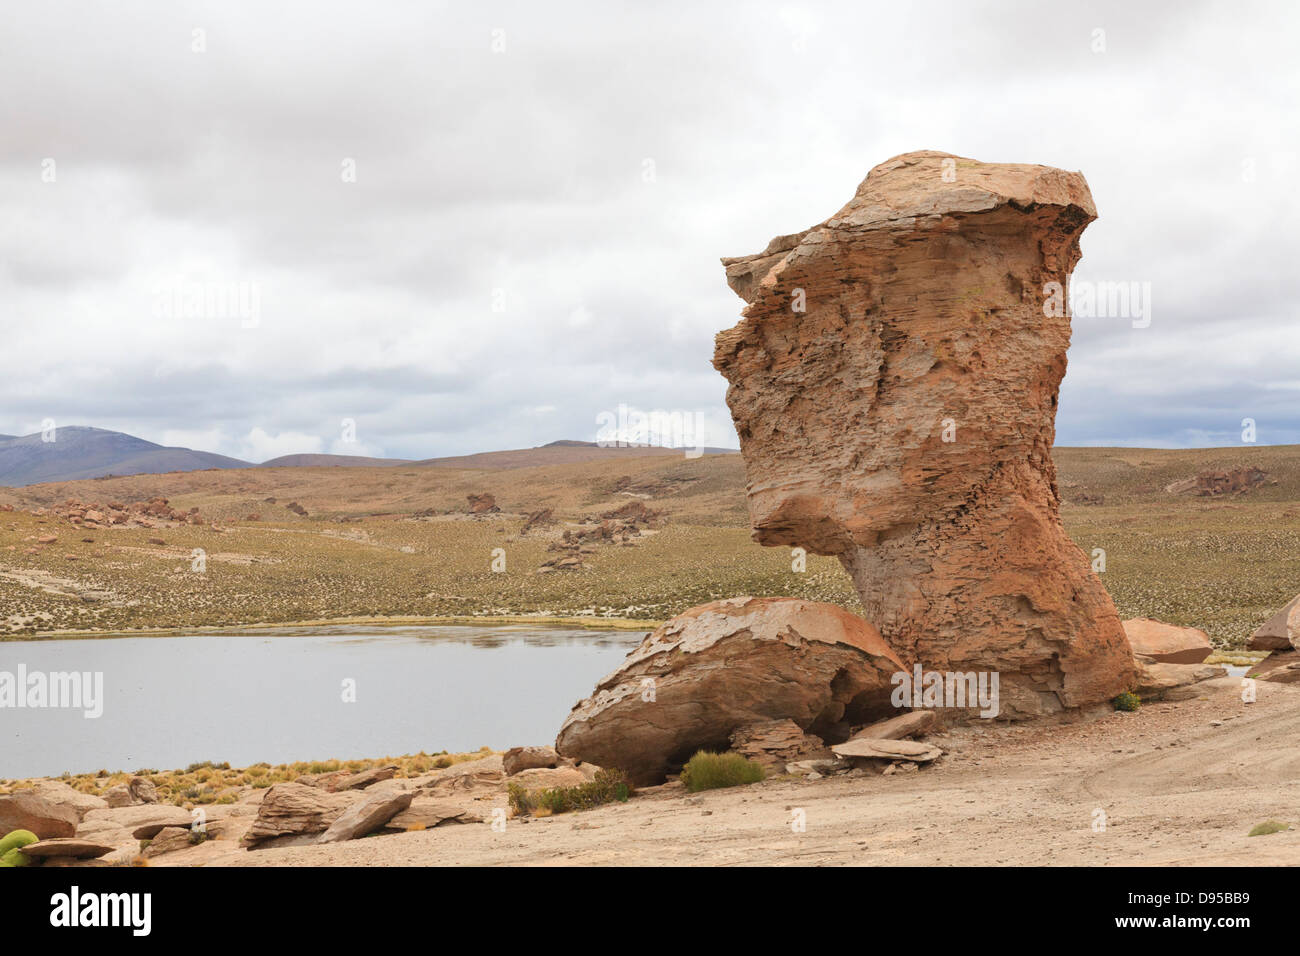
point(66, 846)
point(369, 815)
point(1167, 643)
point(880, 749)
point(904, 725)
point(1155, 681)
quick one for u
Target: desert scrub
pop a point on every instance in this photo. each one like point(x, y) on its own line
point(608, 786)
point(1267, 827)
point(1127, 701)
point(710, 771)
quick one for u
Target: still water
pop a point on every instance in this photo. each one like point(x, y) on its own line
point(282, 695)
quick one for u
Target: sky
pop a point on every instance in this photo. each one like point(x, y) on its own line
point(422, 229)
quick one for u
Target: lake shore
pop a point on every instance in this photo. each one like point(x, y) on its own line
point(507, 620)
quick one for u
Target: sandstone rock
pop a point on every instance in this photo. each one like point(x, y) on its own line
point(365, 778)
point(1167, 643)
point(482, 504)
point(375, 810)
point(911, 724)
point(1281, 667)
point(140, 819)
point(548, 778)
point(169, 840)
point(294, 810)
point(775, 743)
point(722, 666)
point(472, 775)
point(1158, 681)
point(425, 813)
point(1281, 632)
point(1213, 483)
point(66, 846)
point(59, 792)
point(894, 384)
point(26, 810)
point(118, 796)
point(866, 747)
point(526, 758)
point(142, 790)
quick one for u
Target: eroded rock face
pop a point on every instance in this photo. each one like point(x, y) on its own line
point(728, 665)
point(894, 382)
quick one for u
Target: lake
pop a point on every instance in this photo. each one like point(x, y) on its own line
point(289, 694)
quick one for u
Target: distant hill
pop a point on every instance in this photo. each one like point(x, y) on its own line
point(564, 452)
point(331, 461)
point(79, 452)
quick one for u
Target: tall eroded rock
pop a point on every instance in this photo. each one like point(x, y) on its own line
point(894, 382)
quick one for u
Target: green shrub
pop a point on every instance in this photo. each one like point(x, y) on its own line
point(1128, 701)
point(607, 786)
point(10, 855)
point(1267, 827)
point(710, 771)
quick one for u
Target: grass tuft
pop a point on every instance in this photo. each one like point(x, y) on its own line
point(710, 771)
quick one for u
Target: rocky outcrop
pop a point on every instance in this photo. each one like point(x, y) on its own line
point(42, 815)
point(894, 383)
point(366, 816)
point(1281, 632)
point(1167, 643)
point(482, 504)
point(294, 813)
point(1212, 483)
point(724, 666)
point(528, 758)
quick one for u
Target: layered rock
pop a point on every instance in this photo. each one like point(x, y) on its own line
point(894, 383)
point(1167, 643)
point(1281, 632)
point(724, 666)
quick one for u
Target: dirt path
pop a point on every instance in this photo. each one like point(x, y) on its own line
point(1175, 790)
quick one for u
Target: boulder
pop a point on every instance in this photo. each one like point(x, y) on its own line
point(59, 792)
point(66, 846)
point(425, 813)
point(1281, 632)
point(47, 818)
point(877, 749)
point(472, 775)
point(527, 758)
point(482, 504)
point(911, 724)
point(169, 840)
point(1161, 681)
point(549, 778)
point(1167, 643)
point(1281, 667)
point(367, 816)
point(894, 383)
point(294, 810)
point(721, 667)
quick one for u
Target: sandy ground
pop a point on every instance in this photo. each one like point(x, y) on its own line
point(1175, 790)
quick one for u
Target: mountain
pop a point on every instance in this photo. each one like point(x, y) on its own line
point(564, 452)
point(331, 461)
point(80, 452)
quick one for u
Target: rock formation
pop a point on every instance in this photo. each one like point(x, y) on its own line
point(721, 667)
point(894, 382)
point(1167, 643)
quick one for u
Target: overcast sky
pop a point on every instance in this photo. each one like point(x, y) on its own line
point(477, 226)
